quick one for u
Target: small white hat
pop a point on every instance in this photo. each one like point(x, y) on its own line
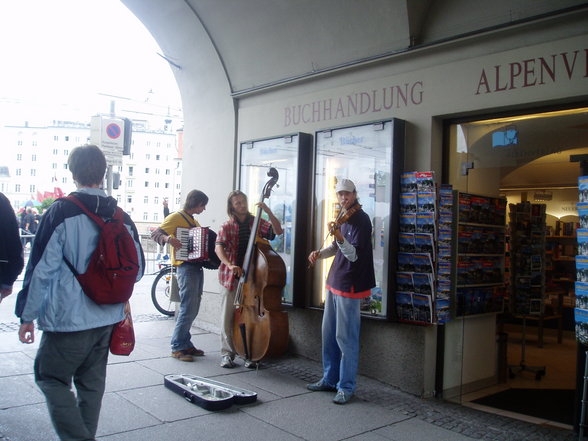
point(345, 185)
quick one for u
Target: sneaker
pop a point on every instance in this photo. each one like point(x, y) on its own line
point(194, 352)
point(182, 356)
point(227, 362)
point(342, 397)
point(250, 364)
point(321, 386)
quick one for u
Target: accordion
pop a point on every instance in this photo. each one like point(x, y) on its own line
point(195, 244)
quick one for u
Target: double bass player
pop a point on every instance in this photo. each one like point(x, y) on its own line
point(231, 245)
point(350, 279)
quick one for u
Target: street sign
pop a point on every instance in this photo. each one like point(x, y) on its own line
point(108, 134)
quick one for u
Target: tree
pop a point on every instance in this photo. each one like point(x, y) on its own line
point(45, 204)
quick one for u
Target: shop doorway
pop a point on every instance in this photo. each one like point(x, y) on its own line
point(525, 355)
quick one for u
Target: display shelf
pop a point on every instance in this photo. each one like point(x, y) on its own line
point(478, 254)
point(535, 257)
point(416, 281)
point(527, 258)
point(560, 268)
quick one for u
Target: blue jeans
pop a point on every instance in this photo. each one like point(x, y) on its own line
point(190, 284)
point(341, 323)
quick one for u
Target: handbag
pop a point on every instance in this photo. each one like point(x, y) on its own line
point(122, 341)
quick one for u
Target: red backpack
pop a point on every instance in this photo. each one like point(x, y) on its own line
point(113, 268)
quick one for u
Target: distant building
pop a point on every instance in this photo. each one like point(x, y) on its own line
point(34, 166)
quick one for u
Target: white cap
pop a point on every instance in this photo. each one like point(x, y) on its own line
point(345, 185)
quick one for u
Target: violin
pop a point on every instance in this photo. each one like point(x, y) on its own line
point(342, 218)
point(260, 327)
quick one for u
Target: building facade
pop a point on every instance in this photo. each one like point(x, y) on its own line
point(34, 167)
point(466, 61)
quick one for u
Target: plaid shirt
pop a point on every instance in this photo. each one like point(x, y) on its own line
point(228, 237)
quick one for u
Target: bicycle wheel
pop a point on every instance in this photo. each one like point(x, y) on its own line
point(161, 290)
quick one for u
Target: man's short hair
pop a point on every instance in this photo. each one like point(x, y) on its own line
point(87, 165)
point(194, 199)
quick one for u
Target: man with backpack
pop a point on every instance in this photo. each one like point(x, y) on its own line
point(73, 351)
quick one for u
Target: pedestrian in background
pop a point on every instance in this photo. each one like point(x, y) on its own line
point(29, 226)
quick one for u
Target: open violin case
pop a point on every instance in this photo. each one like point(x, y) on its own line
point(206, 393)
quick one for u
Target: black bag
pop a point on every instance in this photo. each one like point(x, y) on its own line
point(213, 261)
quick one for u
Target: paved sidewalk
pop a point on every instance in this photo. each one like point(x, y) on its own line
point(137, 406)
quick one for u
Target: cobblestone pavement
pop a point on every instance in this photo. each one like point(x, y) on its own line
point(466, 421)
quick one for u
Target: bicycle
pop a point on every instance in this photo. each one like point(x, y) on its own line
point(161, 289)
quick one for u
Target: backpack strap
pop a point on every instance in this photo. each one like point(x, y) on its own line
point(85, 209)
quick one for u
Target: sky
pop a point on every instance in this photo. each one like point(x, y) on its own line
point(60, 57)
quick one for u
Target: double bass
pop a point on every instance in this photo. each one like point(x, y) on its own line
point(260, 326)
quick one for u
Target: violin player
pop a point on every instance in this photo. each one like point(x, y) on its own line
point(230, 246)
point(351, 278)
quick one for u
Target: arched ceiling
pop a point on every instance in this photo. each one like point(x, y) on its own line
point(266, 42)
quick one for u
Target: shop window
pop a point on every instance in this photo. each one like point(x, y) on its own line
point(289, 201)
point(370, 155)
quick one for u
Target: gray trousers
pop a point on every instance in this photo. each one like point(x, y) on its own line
point(80, 358)
point(226, 328)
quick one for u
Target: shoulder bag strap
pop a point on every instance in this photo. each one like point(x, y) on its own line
point(190, 223)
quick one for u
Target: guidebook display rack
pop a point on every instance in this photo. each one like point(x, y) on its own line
point(478, 263)
point(527, 271)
